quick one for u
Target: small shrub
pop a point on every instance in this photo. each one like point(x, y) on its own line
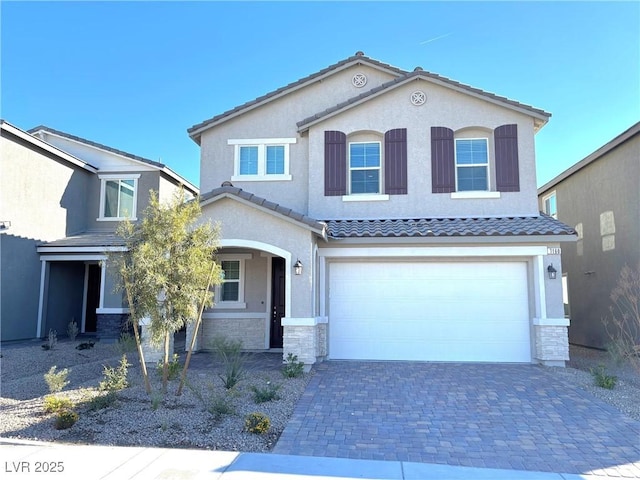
point(115, 378)
point(229, 352)
point(102, 401)
point(292, 367)
point(52, 340)
point(220, 405)
point(174, 367)
point(66, 419)
point(156, 400)
point(54, 404)
point(602, 379)
point(265, 394)
point(126, 343)
point(257, 423)
point(56, 380)
point(72, 329)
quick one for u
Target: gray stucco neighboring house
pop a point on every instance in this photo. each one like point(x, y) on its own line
point(600, 197)
point(61, 198)
point(368, 212)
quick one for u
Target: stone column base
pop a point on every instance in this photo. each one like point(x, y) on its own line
point(551, 341)
point(306, 338)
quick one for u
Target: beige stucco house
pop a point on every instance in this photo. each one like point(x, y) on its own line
point(370, 212)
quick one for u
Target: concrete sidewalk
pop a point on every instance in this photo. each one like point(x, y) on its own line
point(27, 459)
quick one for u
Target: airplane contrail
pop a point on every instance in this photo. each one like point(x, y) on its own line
point(436, 38)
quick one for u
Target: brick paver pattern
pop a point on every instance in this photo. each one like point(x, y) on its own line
point(478, 415)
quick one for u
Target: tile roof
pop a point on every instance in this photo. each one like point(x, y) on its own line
point(428, 76)
point(448, 227)
point(359, 57)
point(227, 190)
point(87, 239)
point(403, 75)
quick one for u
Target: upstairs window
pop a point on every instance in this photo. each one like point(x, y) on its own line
point(472, 164)
point(118, 197)
point(549, 205)
point(261, 159)
point(364, 167)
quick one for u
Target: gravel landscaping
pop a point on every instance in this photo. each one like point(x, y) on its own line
point(191, 420)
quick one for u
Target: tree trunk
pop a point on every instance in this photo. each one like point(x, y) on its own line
point(136, 334)
point(165, 366)
point(183, 377)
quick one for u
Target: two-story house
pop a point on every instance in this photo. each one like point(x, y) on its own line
point(600, 197)
point(61, 198)
point(369, 212)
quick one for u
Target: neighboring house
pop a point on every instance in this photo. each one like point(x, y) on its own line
point(61, 198)
point(600, 197)
point(369, 212)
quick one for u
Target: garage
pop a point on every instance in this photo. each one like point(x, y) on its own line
point(429, 311)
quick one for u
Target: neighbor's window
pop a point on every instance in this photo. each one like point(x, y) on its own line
point(550, 206)
point(261, 159)
point(472, 164)
point(364, 167)
point(118, 197)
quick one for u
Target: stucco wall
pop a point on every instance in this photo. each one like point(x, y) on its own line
point(609, 186)
point(42, 198)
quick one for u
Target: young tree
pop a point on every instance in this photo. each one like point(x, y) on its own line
point(167, 269)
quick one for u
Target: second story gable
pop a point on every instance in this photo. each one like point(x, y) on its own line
point(120, 186)
point(372, 141)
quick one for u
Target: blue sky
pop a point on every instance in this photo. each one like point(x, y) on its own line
point(136, 75)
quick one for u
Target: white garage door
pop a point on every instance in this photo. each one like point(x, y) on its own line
point(437, 311)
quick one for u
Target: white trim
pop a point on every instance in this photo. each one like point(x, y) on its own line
point(231, 315)
point(112, 311)
point(365, 197)
point(551, 322)
point(269, 301)
point(85, 289)
point(378, 168)
point(66, 258)
point(464, 165)
point(236, 242)
point(539, 274)
point(96, 250)
point(261, 144)
point(303, 321)
point(474, 194)
point(103, 180)
point(43, 275)
point(497, 251)
point(103, 281)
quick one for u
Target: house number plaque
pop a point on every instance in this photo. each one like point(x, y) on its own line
point(554, 250)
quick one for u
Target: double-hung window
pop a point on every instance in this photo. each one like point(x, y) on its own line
point(364, 168)
point(472, 164)
point(261, 159)
point(118, 197)
point(230, 293)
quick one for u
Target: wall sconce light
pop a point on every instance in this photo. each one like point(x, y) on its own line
point(297, 267)
point(552, 272)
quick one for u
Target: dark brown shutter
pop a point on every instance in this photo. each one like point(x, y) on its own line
point(395, 162)
point(507, 168)
point(335, 163)
point(443, 175)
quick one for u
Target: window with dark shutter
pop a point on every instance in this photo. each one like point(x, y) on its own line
point(335, 163)
point(507, 167)
point(395, 162)
point(443, 175)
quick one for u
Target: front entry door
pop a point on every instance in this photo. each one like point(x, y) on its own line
point(277, 301)
point(93, 297)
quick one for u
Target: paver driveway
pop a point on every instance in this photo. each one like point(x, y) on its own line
point(479, 415)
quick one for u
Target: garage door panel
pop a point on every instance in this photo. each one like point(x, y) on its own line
point(441, 311)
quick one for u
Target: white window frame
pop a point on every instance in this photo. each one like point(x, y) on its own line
point(487, 165)
point(103, 191)
point(240, 303)
point(261, 143)
point(545, 200)
point(370, 196)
